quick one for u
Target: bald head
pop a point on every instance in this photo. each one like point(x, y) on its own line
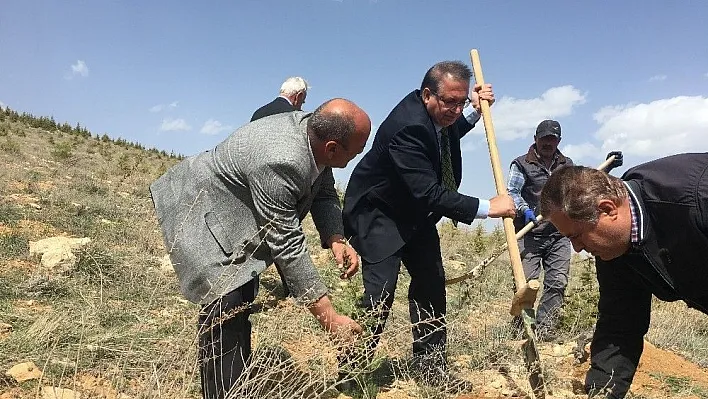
point(340, 129)
point(337, 120)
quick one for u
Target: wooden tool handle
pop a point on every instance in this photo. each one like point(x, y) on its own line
point(607, 163)
point(539, 218)
point(525, 292)
point(474, 272)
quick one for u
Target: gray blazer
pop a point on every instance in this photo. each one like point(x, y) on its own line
point(228, 213)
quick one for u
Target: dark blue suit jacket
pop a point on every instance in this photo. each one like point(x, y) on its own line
point(277, 106)
point(396, 188)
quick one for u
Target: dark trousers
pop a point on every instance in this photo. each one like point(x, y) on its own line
point(552, 254)
point(426, 293)
point(225, 340)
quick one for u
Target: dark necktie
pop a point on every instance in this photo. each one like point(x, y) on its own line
point(448, 177)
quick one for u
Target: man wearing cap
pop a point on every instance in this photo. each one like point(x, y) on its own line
point(543, 246)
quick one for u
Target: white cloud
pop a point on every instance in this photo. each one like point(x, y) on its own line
point(2, 105)
point(172, 125)
point(580, 151)
point(658, 128)
point(657, 78)
point(212, 127)
point(161, 107)
point(474, 143)
point(516, 118)
point(468, 146)
point(80, 69)
point(655, 129)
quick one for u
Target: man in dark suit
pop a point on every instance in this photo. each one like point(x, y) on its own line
point(292, 95)
point(399, 191)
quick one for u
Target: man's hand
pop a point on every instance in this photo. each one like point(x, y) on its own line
point(617, 162)
point(346, 256)
point(484, 93)
point(342, 327)
point(529, 216)
point(502, 206)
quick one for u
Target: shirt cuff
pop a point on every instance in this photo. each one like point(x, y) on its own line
point(483, 209)
point(471, 115)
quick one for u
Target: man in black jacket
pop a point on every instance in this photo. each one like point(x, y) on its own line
point(401, 188)
point(292, 95)
point(649, 234)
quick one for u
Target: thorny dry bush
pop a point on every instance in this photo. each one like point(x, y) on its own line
point(115, 325)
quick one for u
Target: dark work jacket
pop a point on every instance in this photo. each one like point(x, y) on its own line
point(535, 176)
point(397, 188)
point(277, 106)
point(668, 262)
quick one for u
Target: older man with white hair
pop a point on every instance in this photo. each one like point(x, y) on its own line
point(292, 95)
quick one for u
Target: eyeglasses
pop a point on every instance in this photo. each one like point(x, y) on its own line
point(452, 104)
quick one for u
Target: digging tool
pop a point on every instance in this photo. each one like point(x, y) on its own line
point(525, 296)
point(497, 252)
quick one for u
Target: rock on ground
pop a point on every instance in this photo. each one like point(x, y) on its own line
point(57, 252)
point(24, 372)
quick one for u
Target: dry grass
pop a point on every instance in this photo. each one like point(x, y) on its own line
point(115, 325)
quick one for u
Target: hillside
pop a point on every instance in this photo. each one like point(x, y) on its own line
point(110, 323)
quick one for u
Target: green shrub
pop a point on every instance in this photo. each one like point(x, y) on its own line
point(10, 146)
point(62, 151)
point(96, 265)
point(579, 313)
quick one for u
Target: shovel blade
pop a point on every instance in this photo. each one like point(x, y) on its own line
point(531, 356)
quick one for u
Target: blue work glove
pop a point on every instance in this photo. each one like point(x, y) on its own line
point(529, 216)
point(617, 161)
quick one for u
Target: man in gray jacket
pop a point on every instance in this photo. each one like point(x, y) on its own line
point(228, 213)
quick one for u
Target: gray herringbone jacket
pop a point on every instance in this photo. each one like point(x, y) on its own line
point(228, 213)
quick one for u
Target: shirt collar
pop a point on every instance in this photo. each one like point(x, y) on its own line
point(286, 99)
point(637, 217)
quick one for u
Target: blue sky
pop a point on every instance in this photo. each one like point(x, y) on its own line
point(630, 75)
